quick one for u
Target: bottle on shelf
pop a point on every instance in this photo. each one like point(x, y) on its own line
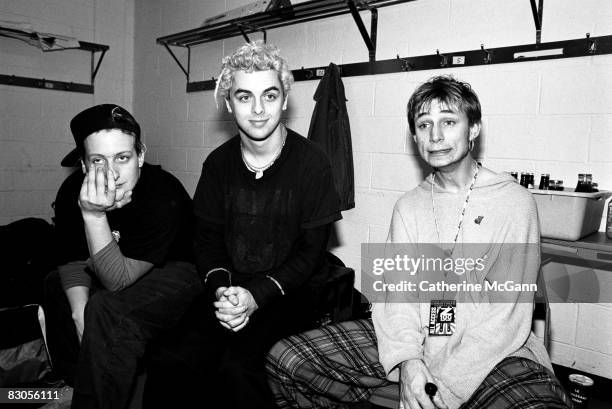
point(523, 179)
point(544, 181)
point(530, 181)
point(580, 186)
point(560, 185)
point(588, 182)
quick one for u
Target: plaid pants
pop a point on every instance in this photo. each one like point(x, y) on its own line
point(332, 366)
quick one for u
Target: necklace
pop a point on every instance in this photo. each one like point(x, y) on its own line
point(259, 170)
point(465, 204)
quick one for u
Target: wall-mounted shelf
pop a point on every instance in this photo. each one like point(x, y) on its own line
point(319, 9)
point(51, 84)
point(280, 17)
point(283, 16)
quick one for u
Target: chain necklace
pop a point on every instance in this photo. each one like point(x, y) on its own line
point(259, 170)
point(465, 204)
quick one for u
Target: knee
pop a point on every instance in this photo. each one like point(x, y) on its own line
point(106, 321)
point(283, 357)
point(99, 307)
point(277, 351)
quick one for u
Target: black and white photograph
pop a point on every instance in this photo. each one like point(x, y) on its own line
point(259, 204)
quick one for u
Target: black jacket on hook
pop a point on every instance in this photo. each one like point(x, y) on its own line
point(329, 127)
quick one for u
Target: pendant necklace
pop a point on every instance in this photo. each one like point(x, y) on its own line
point(259, 170)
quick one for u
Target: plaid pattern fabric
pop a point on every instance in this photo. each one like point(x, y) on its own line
point(325, 367)
point(519, 383)
point(338, 364)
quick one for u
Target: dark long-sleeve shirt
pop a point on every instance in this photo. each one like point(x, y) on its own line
point(270, 233)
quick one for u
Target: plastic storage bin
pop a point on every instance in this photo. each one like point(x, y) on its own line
point(567, 215)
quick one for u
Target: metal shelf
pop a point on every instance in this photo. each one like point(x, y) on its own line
point(279, 17)
point(320, 9)
point(283, 16)
point(51, 84)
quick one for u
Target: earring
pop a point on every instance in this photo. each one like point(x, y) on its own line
point(471, 145)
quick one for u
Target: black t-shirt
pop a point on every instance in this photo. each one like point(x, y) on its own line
point(156, 226)
point(263, 220)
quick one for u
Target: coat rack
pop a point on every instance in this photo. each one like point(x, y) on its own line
point(588, 46)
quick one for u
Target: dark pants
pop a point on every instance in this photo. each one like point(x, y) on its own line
point(216, 367)
point(118, 327)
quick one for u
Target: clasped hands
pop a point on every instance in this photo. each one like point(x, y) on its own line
point(98, 192)
point(234, 307)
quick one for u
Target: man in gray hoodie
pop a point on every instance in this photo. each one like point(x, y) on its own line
point(446, 349)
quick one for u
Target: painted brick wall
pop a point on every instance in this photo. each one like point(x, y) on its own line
point(553, 116)
point(34, 124)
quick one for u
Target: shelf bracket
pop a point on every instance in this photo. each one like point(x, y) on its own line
point(537, 11)
point(186, 71)
point(369, 39)
point(244, 34)
point(242, 26)
point(94, 71)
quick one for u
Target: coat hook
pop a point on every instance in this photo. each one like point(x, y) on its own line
point(307, 73)
point(487, 55)
point(406, 66)
point(591, 44)
point(443, 60)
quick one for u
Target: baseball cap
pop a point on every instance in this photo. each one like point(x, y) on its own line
point(94, 119)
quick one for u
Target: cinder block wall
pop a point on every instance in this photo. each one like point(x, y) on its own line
point(34, 123)
point(552, 116)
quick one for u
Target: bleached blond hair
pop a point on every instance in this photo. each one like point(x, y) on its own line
point(253, 56)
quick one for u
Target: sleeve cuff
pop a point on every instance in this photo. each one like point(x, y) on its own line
point(100, 260)
point(74, 274)
point(330, 218)
point(264, 289)
point(217, 277)
point(392, 361)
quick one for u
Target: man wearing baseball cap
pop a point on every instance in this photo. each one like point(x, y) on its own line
point(126, 273)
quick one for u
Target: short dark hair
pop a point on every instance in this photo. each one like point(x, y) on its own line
point(449, 91)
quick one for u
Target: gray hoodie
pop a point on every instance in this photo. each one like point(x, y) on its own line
point(501, 216)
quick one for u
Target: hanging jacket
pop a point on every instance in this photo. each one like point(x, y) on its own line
point(329, 127)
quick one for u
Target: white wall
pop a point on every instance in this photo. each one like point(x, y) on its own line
point(34, 123)
point(552, 116)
